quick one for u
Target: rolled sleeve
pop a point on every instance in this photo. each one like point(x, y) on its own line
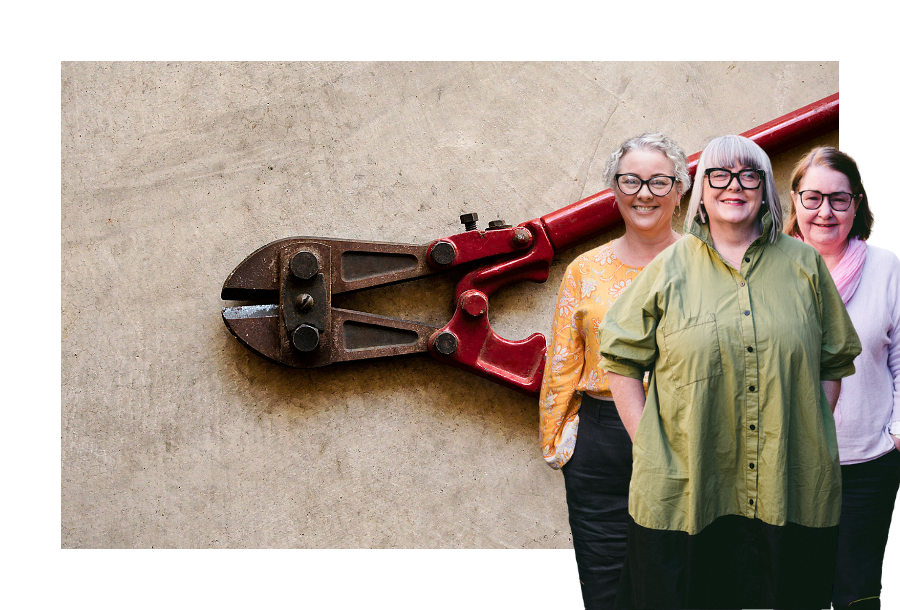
point(628, 333)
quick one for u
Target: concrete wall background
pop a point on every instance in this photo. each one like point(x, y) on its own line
point(173, 435)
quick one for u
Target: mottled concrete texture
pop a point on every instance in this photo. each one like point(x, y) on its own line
point(173, 435)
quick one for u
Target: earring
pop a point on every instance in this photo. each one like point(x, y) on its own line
point(677, 209)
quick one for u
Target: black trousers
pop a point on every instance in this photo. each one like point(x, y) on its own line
point(867, 504)
point(597, 478)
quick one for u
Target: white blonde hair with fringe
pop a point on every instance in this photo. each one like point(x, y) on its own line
point(729, 151)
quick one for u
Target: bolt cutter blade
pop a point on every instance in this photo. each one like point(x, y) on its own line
point(256, 327)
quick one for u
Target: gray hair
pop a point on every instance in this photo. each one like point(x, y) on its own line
point(651, 141)
point(728, 151)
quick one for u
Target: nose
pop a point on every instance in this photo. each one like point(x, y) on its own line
point(644, 196)
point(825, 210)
point(734, 185)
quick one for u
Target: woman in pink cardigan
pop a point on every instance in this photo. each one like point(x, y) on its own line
point(831, 213)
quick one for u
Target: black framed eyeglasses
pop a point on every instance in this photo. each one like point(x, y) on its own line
point(840, 201)
point(721, 178)
point(630, 184)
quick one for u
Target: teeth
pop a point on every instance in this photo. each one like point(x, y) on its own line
point(641, 208)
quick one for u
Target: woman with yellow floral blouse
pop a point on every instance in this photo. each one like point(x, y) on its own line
point(648, 175)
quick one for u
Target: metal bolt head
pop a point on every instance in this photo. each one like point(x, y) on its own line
point(445, 343)
point(305, 338)
point(497, 224)
point(470, 220)
point(443, 253)
point(521, 238)
point(305, 302)
point(304, 265)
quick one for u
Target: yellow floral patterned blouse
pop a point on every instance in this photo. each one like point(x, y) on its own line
point(592, 283)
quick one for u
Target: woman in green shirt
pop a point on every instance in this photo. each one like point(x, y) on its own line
point(736, 489)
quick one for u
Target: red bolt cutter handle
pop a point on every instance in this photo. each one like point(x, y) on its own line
point(299, 275)
point(520, 364)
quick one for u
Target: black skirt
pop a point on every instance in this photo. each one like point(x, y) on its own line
point(735, 562)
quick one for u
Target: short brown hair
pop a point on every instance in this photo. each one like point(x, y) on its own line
point(832, 158)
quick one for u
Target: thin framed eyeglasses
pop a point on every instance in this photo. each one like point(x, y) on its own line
point(721, 178)
point(840, 201)
point(630, 184)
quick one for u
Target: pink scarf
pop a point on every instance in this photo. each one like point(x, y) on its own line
point(847, 274)
point(846, 277)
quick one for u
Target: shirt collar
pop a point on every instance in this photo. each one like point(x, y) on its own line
point(701, 230)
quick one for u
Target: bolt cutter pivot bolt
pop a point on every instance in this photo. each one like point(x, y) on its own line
point(305, 338)
point(445, 343)
point(474, 303)
point(304, 265)
point(443, 253)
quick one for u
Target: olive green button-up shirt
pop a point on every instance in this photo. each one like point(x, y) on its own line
point(736, 421)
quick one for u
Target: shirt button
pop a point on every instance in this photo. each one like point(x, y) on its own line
point(746, 312)
point(753, 388)
point(742, 283)
point(746, 259)
point(751, 502)
point(749, 349)
point(752, 427)
point(752, 466)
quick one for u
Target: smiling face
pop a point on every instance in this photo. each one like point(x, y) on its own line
point(733, 205)
point(824, 229)
point(644, 212)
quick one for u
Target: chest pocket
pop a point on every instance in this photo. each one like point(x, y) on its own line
point(692, 349)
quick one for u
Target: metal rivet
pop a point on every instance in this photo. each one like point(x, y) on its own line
point(521, 238)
